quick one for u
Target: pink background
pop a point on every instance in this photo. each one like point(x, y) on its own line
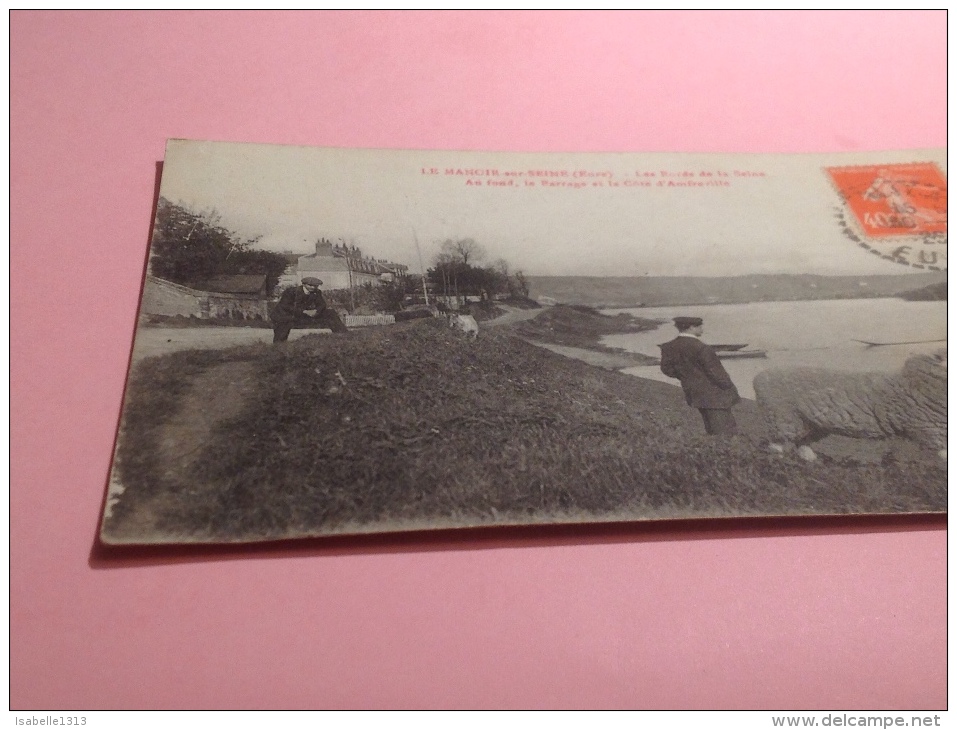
point(823, 614)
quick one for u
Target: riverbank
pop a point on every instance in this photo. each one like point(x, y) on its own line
point(414, 426)
point(577, 331)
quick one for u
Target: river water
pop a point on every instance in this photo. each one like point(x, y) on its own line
point(814, 333)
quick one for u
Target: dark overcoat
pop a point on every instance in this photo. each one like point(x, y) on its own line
point(294, 301)
point(703, 378)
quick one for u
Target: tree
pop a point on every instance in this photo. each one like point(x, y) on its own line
point(521, 281)
point(463, 250)
point(190, 247)
point(455, 276)
point(445, 274)
point(452, 271)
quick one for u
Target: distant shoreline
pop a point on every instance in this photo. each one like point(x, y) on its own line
point(640, 292)
point(617, 306)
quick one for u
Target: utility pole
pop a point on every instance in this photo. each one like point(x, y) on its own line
point(425, 289)
point(352, 294)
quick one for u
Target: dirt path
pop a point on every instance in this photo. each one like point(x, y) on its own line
point(152, 341)
point(217, 394)
point(512, 315)
point(214, 396)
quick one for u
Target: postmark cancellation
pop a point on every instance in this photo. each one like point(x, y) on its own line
point(896, 211)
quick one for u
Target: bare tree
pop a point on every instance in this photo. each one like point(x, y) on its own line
point(463, 250)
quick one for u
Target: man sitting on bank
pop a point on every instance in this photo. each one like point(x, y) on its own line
point(290, 310)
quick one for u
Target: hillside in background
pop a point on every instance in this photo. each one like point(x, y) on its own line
point(933, 293)
point(672, 290)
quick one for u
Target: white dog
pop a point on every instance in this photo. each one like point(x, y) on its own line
point(464, 322)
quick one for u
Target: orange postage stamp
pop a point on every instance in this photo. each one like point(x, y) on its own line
point(894, 202)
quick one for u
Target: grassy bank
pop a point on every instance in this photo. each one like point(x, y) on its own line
point(413, 425)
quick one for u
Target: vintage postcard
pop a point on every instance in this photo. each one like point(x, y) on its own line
point(336, 341)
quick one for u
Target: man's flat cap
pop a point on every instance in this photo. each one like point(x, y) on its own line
point(311, 281)
point(688, 321)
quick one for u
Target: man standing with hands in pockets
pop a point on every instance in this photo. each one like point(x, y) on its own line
point(706, 383)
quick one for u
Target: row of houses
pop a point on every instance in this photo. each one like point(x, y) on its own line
point(340, 267)
point(246, 296)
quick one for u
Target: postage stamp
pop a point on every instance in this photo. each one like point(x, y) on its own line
point(898, 211)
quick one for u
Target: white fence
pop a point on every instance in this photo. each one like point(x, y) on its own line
point(366, 320)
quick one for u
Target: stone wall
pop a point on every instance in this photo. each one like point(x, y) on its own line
point(166, 298)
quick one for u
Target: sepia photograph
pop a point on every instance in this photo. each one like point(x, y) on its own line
point(344, 341)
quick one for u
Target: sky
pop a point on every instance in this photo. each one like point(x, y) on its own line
point(547, 214)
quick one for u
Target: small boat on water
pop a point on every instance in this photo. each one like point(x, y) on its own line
point(731, 352)
point(741, 354)
point(892, 344)
point(728, 348)
point(736, 351)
